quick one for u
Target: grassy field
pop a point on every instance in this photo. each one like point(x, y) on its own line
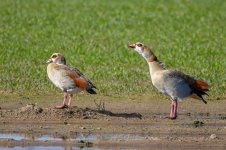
point(188, 35)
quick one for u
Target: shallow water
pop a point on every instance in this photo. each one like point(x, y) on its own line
point(75, 137)
point(48, 148)
point(60, 142)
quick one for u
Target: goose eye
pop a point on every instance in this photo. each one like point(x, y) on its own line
point(139, 45)
point(54, 56)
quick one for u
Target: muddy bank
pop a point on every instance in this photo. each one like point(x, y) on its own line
point(127, 125)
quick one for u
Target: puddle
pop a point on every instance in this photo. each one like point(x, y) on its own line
point(90, 137)
point(48, 148)
point(20, 141)
point(75, 137)
point(59, 141)
point(14, 141)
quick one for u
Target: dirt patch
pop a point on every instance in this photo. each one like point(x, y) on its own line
point(33, 112)
point(125, 122)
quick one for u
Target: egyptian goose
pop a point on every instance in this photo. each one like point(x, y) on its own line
point(70, 80)
point(175, 84)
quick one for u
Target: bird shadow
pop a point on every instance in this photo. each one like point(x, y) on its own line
point(100, 108)
point(123, 115)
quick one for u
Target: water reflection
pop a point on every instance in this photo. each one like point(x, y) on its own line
point(73, 141)
point(73, 137)
point(48, 148)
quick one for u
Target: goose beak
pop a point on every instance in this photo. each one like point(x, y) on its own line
point(49, 61)
point(132, 45)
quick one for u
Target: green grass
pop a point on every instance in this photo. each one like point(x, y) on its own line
point(188, 35)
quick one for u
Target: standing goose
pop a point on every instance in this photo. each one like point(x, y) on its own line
point(70, 80)
point(175, 84)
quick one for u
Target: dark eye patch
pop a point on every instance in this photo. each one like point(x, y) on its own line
point(139, 45)
point(54, 56)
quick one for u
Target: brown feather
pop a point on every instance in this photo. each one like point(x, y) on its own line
point(72, 75)
point(79, 81)
point(199, 87)
point(202, 85)
point(198, 96)
point(193, 83)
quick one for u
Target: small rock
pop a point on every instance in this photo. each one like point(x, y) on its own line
point(27, 107)
point(213, 136)
point(86, 143)
point(223, 117)
point(31, 108)
point(98, 128)
point(82, 128)
point(81, 141)
point(89, 144)
point(85, 117)
point(153, 138)
point(38, 110)
point(198, 124)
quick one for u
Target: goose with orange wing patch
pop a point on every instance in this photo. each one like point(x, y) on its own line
point(69, 79)
point(173, 83)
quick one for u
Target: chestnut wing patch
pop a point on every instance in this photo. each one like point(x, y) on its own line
point(80, 74)
point(78, 80)
point(81, 83)
point(199, 87)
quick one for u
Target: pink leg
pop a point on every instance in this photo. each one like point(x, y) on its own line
point(173, 111)
point(64, 105)
point(69, 100)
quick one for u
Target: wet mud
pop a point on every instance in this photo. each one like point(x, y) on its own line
point(32, 125)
